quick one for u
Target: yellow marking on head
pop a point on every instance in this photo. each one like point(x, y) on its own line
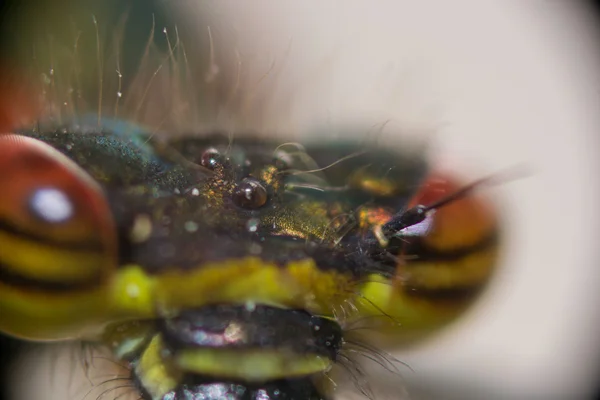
point(299, 284)
point(251, 364)
point(132, 293)
point(268, 175)
point(156, 373)
point(308, 219)
point(377, 185)
point(125, 338)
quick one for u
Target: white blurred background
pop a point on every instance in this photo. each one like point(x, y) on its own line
point(497, 83)
point(494, 84)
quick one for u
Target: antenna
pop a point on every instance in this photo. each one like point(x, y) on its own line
point(417, 214)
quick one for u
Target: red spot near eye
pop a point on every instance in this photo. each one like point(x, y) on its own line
point(459, 223)
point(19, 104)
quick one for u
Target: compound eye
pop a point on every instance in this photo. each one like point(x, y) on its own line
point(57, 236)
point(250, 194)
point(49, 197)
point(457, 224)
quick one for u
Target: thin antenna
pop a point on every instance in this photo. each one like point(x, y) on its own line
point(492, 180)
point(419, 213)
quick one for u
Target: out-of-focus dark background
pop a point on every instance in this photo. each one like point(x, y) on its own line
point(30, 21)
point(23, 22)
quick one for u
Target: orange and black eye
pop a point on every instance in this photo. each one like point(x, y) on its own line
point(445, 248)
point(450, 254)
point(453, 252)
point(459, 224)
point(57, 240)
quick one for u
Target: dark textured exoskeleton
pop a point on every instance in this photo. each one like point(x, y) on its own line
point(230, 268)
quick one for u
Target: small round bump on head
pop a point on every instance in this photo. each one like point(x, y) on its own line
point(250, 194)
point(210, 158)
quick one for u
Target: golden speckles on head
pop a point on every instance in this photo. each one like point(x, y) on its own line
point(363, 180)
point(373, 216)
point(269, 173)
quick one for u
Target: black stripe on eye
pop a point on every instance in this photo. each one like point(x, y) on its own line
point(423, 253)
point(17, 280)
point(73, 245)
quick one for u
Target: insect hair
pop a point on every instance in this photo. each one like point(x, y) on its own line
point(169, 88)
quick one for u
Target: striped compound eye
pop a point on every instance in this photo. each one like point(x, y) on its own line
point(447, 244)
point(462, 224)
point(57, 240)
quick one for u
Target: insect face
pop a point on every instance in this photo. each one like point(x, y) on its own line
point(232, 268)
